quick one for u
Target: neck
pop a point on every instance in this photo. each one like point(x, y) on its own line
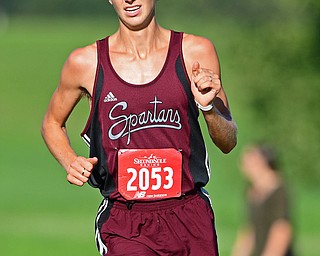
point(139, 42)
point(267, 182)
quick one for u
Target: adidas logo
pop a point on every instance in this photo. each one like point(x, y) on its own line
point(110, 97)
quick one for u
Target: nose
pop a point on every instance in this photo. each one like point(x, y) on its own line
point(130, 1)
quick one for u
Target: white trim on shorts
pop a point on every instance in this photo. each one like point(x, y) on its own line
point(102, 248)
point(205, 193)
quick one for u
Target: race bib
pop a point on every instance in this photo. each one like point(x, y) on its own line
point(149, 174)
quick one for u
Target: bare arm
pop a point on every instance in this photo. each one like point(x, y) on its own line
point(76, 78)
point(204, 70)
point(278, 239)
point(244, 243)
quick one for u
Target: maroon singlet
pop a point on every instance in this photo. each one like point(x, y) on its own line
point(159, 114)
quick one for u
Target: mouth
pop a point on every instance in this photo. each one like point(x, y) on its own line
point(133, 10)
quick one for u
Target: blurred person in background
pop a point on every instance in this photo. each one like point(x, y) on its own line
point(146, 85)
point(268, 231)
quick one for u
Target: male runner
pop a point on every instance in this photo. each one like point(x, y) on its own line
point(147, 154)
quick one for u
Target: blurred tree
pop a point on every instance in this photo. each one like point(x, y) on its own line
point(281, 62)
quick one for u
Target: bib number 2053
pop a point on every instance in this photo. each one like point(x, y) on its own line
point(149, 174)
point(145, 178)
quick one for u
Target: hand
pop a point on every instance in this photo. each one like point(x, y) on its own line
point(206, 84)
point(80, 170)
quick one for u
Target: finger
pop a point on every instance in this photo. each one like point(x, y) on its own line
point(81, 174)
point(204, 76)
point(195, 68)
point(80, 170)
point(93, 160)
point(203, 80)
point(215, 76)
point(205, 84)
point(86, 163)
point(86, 173)
point(73, 180)
point(77, 171)
point(89, 164)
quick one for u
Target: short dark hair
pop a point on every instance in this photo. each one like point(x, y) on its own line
point(268, 152)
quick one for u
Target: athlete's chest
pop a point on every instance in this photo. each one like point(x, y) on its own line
point(128, 110)
point(138, 69)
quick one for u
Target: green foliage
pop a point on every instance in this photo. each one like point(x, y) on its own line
point(57, 7)
point(283, 82)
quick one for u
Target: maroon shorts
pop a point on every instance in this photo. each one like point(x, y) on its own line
point(183, 226)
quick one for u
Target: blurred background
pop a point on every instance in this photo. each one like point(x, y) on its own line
point(269, 53)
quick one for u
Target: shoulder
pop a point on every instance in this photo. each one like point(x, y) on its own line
point(82, 57)
point(198, 45)
point(200, 49)
point(80, 67)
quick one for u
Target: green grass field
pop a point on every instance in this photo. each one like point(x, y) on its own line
point(40, 213)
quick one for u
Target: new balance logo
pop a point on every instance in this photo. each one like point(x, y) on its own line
point(141, 194)
point(110, 97)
